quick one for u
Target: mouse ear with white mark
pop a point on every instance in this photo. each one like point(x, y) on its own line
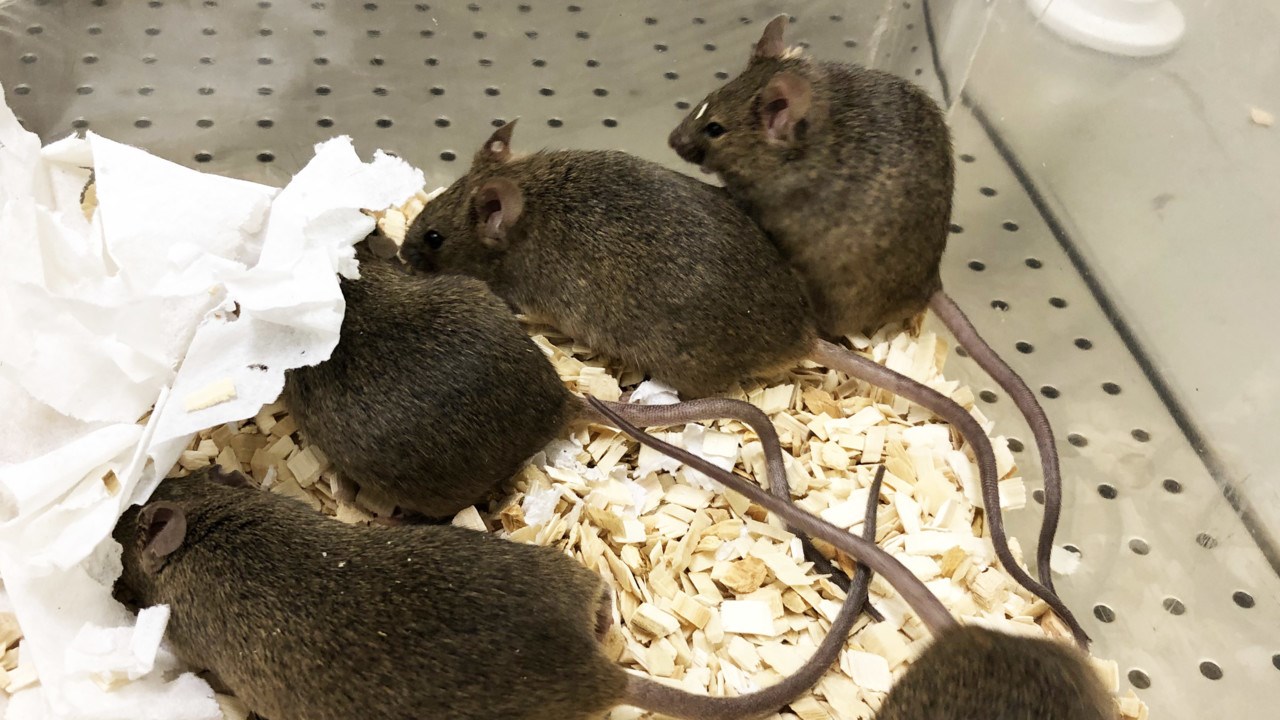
point(497, 149)
point(784, 103)
point(161, 529)
point(499, 203)
point(771, 45)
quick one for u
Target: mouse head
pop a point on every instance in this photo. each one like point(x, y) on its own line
point(469, 226)
point(154, 535)
point(766, 111)
point(150, 535)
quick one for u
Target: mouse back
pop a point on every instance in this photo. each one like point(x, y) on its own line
point(848, 169)
point(434, 393)
point(306, 617)
point(971, 672)
point(640, 262)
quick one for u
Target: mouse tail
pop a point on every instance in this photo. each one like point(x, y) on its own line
point(930, 610)
point(656, 697)
point(728, 408)
point(838, 358)
point(958, 323)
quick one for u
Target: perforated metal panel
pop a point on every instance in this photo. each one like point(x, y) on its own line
point(1171, 584)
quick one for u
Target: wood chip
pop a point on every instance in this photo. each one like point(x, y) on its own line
point(747, 617)
point(652, 621)
point(742, 576)
point(212, 394)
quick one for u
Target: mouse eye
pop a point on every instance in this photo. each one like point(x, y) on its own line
point(434, 239)
point(714, 129)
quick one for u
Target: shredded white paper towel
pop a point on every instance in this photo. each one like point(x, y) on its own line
point(112, 330)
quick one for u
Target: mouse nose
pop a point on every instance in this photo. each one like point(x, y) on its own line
point(686, 149)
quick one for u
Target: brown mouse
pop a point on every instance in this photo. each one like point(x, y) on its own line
point(849, 170)
point(304, 617)
point(656, 268)
point(435, 394)
point(967, 671)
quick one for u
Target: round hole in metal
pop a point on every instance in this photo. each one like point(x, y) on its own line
point(1171, 486)
point(266, 157)
point(1210, 669)
point(1107, 491)
point(1057, 302)
point(1024, 347)
point(609, 123)
point(1077, 440)
point(1139, 546)
point(1050, 392)
point(1084, 343)
point(204, 123)
point(142, 123)
point(977, 265)
point(448, 156)
point(1110, 388)
point(1015, 445)
point(1034, 263)
point(384, 123)
point(203, 157)
point(1000, 305)
point(1140, 435)
point(1243, 599)
point(1038, 495)
point(988, 396)
point(1139, 679)
point(955, 229)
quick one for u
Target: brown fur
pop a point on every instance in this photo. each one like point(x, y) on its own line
point(434, 393)
point(971, 672)
point(858, 199)
point(683, 285)
point(306, 618)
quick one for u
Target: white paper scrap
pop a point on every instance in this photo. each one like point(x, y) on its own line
point(180, 284)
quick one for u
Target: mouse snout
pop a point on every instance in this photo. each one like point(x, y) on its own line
point(417, 256)
point(687, 149)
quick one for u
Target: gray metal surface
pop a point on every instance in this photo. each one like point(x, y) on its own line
point(1171, 584)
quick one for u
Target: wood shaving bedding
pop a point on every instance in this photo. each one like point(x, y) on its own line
point(710, 592)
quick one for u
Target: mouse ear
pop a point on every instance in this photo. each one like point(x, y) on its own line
point(497, 149)
point(784, 102)
point(499, 203)
point(232, 478)
point(771, 45)
point(161, 528)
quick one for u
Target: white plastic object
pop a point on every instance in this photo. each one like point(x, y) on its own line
point(1135, 28)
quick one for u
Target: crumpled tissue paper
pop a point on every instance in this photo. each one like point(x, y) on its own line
point(177, 305)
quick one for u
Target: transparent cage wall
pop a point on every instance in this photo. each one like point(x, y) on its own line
point(1114, 233)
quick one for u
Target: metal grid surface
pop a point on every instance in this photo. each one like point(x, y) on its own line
point(1171, 585)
